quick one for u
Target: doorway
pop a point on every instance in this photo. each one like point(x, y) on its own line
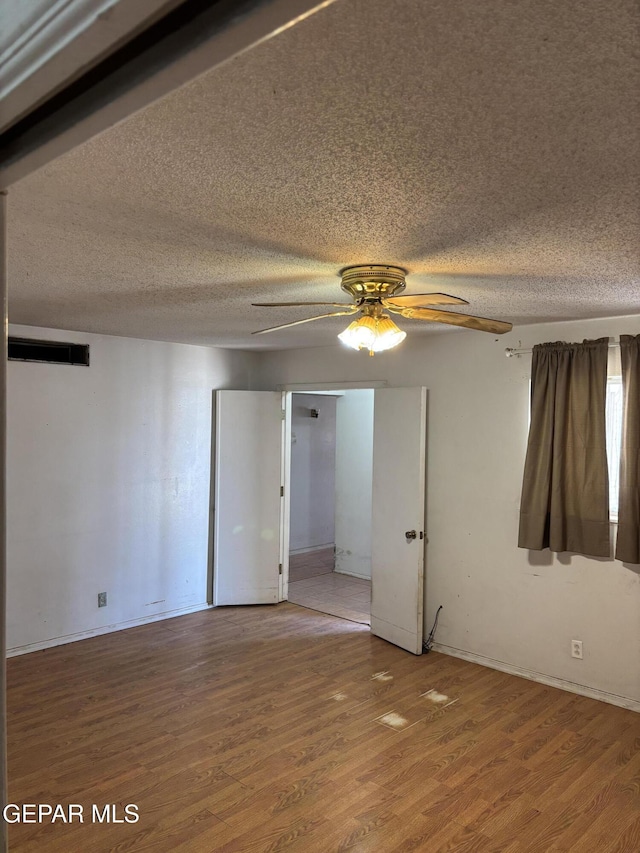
point(251, 505)
point(331, 478)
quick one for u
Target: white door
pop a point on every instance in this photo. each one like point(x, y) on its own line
point(399, 468)
point(246, 544)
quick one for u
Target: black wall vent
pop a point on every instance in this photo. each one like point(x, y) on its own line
point(52, 352)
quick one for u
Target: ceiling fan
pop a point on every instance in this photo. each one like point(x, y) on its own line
point(376, 288)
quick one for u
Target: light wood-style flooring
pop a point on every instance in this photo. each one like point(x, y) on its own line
point(314, 584)
point(276, 728)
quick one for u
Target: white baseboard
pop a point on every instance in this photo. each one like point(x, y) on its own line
point(570, 686)
point(105, 629)
point(352, 574)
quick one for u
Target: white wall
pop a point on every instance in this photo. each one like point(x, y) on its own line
point(504, 605)
point(313, 464)
point(108, 483)
point(354, 480)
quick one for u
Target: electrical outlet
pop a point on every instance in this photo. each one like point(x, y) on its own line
point(102, 601)
point(576, 649)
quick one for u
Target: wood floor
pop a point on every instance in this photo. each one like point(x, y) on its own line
point(280, 729)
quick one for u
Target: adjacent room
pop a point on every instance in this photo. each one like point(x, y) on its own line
point(331, 490)
point(290, 565)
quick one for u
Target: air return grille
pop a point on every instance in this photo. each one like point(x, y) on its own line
point(51, 352)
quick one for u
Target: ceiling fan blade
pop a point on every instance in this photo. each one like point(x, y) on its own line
point(289, 304)
point(352, 310)
point(482, 324)
point(413, 300)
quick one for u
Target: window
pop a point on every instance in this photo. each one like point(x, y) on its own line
point(614, 440)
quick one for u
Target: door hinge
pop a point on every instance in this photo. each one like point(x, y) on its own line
point(281, 491)
point(283, 414)
point(279, 568)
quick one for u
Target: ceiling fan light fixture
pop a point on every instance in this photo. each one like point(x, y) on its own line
point(373, 333)
point(374, 288)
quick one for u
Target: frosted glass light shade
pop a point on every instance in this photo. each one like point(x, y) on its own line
point(373, 333)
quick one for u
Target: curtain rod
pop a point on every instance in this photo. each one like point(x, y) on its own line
point(511, 351)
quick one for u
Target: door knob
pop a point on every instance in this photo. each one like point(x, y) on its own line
point(410, 534)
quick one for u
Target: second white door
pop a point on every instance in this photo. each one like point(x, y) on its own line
point(398, 516)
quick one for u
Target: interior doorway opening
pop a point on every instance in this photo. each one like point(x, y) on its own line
point(251, 505)
point(331, 479)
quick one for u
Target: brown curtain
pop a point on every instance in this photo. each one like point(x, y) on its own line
point(565, 492)
point(628, 544)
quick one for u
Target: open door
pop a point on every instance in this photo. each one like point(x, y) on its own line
point(247, 499)
point(399, 469)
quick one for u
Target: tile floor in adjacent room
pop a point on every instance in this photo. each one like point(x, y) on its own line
point(314, 584)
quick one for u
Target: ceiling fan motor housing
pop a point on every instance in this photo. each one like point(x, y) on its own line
point(370, 282)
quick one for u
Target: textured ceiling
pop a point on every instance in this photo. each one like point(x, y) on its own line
point(492, 148)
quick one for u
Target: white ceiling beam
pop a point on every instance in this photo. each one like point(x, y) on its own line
point(45, 45)
point(118, 89)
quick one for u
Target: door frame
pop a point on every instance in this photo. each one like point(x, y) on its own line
point(286, 393)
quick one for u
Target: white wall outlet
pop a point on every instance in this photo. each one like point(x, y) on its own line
point(576, 649)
